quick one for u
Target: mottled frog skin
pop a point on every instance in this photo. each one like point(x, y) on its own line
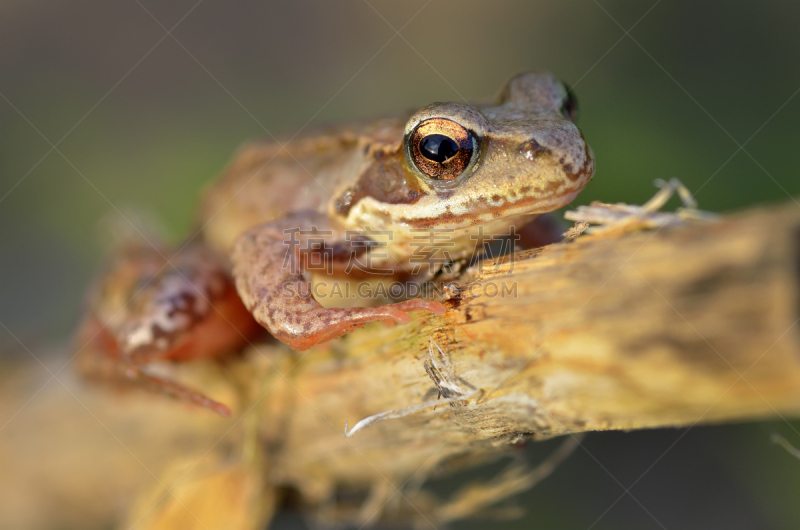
point(284, 211)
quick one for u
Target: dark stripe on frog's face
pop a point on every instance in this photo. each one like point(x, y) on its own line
point(386, 180)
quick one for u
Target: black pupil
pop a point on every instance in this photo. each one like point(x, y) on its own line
point(438, 147)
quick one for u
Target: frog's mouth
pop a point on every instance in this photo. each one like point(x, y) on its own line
point(483, 210)
point(529, 205)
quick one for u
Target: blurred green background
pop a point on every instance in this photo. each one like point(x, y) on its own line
point(141, 119)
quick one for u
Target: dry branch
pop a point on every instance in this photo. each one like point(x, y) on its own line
point(646, 329)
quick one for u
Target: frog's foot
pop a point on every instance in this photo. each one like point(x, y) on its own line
point(321, 325)
point(399, 311)
point(269, 272)
point(619, 218)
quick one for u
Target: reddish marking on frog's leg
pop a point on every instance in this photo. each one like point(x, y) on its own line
point(270, 280)
point(149, 309)
point(226, 327)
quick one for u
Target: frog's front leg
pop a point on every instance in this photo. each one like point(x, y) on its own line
point(543, 230)
point(269, 263)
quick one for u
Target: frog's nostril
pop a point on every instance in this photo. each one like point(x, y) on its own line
point(532, 149)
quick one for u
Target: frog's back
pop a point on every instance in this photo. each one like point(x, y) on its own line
point(269, 179)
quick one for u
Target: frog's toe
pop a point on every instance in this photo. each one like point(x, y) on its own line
point(419, 304)
point(321, 325)
point(397, 312)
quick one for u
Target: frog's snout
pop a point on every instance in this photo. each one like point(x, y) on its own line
point(562, 147)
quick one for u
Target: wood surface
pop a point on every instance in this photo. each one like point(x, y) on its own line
point(657, 328)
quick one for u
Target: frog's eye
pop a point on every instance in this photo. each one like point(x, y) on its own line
point(569, 105)
point(440, 148)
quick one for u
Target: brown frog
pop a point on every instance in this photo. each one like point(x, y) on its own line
point(358, 194)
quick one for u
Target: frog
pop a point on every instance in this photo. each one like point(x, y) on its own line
point(289, 210)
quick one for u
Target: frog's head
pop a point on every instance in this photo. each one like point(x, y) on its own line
point(462, 165)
